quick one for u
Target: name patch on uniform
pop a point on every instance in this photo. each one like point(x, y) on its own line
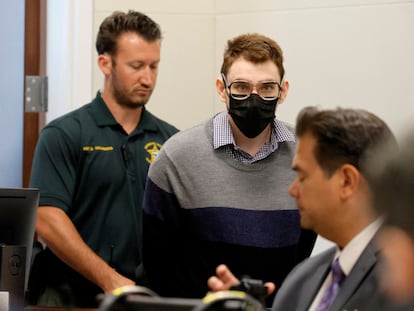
point(97, 148)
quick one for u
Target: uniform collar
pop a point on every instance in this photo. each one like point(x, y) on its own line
point(103, 116)
point(100, 112)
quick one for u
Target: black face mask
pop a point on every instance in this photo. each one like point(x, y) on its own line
point(252, 114)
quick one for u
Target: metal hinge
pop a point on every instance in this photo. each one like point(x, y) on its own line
point(36, 94)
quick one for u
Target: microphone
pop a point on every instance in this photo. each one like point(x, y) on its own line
point(126, 154)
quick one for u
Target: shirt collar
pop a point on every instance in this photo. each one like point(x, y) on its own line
point(103, 116)
point(100, 112)
point(223, 134)
point(351, 252)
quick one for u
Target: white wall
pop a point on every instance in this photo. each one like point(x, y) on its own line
point(11, 90)
point(69, 54)
point(350, 53)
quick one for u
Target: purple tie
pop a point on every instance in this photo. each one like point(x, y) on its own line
point(331, 292)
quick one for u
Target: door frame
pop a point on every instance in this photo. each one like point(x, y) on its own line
point(34, 65)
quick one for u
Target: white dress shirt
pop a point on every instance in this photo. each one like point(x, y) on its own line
point(348, 256)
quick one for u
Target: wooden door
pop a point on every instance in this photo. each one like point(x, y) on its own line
point(34, 65)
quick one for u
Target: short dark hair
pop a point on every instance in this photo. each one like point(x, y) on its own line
point(255, 48)
point(118, 23)
point(344, 136)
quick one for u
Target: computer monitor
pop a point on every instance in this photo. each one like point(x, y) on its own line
point(18, 210)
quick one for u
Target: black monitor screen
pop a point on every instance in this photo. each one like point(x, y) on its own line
point(18, 210)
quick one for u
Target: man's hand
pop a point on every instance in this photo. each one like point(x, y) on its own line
point(224, 280)
point(114, 281)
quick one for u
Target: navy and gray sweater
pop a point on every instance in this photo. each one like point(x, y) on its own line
point(203, 208)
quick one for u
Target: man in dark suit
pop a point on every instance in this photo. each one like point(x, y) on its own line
point(334, 199)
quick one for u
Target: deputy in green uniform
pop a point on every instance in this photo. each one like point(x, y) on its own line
point(91, 165)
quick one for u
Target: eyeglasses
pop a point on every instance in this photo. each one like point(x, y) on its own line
point(242, 89)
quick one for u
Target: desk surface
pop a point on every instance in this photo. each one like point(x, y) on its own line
point(37, 308)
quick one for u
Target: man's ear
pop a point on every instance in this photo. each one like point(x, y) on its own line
point(105, 64)
point(350, 180)
point(221, 90)
point(283, 92)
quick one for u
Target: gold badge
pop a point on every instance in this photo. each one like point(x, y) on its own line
point(153, 148)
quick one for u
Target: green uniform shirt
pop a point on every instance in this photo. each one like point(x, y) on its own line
point(88, 166)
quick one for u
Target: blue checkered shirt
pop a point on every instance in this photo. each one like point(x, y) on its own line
point(223, 138)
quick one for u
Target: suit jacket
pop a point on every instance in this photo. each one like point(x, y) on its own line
point(359, 291)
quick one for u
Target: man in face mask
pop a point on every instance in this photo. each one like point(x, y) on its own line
point(252, 113)
point(218, 192)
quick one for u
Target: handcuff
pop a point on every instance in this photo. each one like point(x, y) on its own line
point(252, 287)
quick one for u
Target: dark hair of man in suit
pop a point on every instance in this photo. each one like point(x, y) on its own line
point(364, 133)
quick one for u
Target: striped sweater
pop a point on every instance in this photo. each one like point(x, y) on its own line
point(203, 208)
